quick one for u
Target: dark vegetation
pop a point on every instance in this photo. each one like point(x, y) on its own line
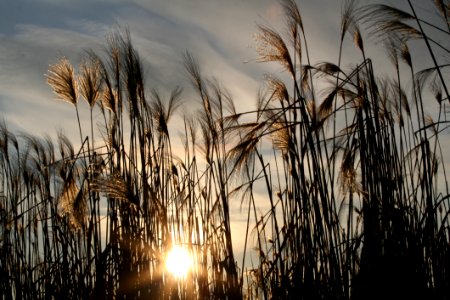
point(351, 164)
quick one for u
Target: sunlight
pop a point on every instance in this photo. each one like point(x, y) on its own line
point(179, 261)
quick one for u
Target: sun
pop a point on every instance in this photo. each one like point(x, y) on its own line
point(179, 262)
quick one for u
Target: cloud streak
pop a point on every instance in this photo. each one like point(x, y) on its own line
point(34, 34)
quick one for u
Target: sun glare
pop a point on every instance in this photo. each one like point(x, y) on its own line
point(179, 261)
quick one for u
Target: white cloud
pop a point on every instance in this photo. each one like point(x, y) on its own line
point(26, 101)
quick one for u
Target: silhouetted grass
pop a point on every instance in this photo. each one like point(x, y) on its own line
point(351, 165)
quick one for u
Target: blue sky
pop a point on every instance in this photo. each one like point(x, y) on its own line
point(33, 33)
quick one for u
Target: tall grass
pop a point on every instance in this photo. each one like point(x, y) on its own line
point(351, 166)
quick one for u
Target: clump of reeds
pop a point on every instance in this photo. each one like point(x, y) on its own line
point(360, 208)
point(355, 202)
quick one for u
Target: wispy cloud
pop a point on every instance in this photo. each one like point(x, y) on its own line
point(220, 34)
point(25, 99)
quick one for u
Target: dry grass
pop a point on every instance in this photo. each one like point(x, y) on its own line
point(353, 174)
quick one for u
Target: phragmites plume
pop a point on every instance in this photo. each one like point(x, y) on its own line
point(348, 174)
point(436, 89)
point(61, 77)
point(405, 54)
point(73, 203)
point(109, 97)
point(281, 138)
point(90, 79)
point(294, 21)
point(162, 112)
point(278, 89)
point(348, 17)
point(272, 48)
point(385, 20)
point(292, 12)
point(357, 38)
point(443, 8)
point(191, 66)
point(392, 51)
point(116, 187)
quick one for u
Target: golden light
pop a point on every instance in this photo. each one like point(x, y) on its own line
point(179, 262)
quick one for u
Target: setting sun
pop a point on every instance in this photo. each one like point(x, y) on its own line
point(179, 261)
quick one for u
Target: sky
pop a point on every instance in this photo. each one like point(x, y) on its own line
point(220, 34)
